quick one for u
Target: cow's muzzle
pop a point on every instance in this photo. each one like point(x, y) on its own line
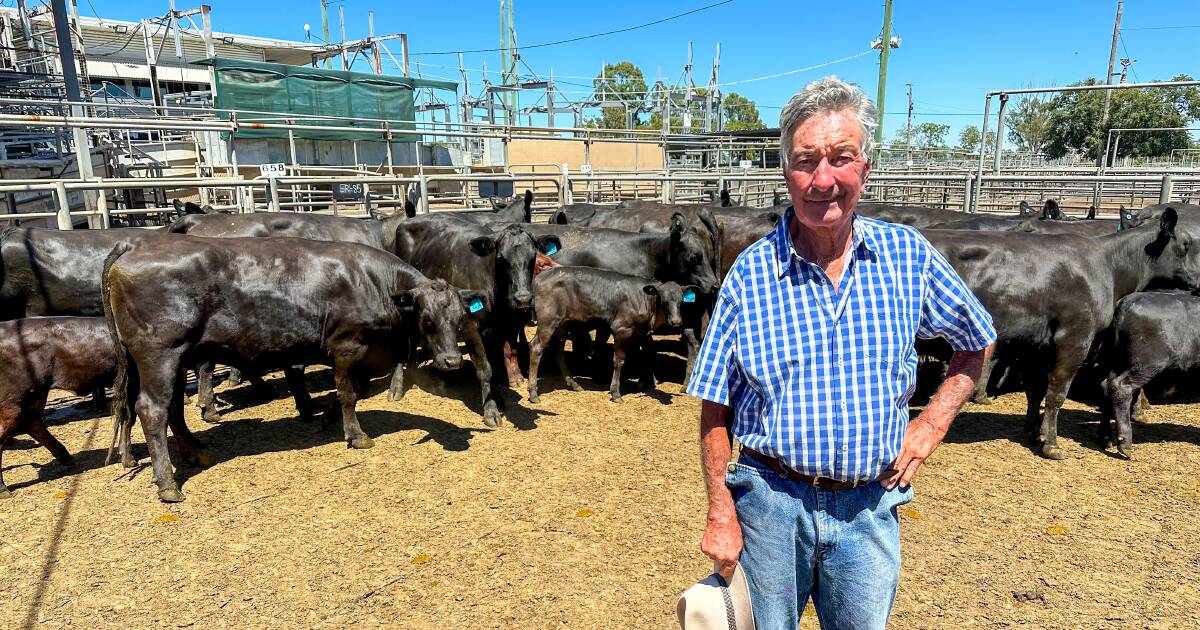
point(447, 362)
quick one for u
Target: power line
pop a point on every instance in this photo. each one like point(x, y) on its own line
point(580, 38)
point(1160, 28)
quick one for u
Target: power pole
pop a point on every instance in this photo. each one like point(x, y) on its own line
point(884, 46)
point(66, 53)
point(1125, 63)
point(374, 44)
point(342, 42)
point(1112, 60)
point(908, 132)
point(325, 29)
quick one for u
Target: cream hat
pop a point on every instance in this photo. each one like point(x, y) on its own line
point(716, 604)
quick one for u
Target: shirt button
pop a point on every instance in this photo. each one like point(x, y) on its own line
point(845, 448)
point(731, 467)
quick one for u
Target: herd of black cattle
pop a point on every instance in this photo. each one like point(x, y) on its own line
point(369, 296)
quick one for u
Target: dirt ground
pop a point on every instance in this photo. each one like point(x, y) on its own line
point(577, 513)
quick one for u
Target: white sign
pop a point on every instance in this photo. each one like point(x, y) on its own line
point(746, 165)
point(272, 170)
point(586, 169)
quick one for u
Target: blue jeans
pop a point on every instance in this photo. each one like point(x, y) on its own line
point(841, 548)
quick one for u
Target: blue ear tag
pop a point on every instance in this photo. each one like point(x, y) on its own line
point(475, 305)
point(551, 248)
point(689, 296)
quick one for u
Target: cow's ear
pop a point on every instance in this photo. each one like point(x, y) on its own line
point(406, 300)
point(410, 209)
point(1026, 210)
point(650, 289)
point(676, 225)
point(475, 303)
point(178, 205)
point(560, 218)
point(496, 202)
point(483, 245)
point(549, 244)
point(725, 201)
point(1051, 209)
point(377, 215)
point(207, 209)
point(528, 199)
point(774, 217)
point(1166, 225)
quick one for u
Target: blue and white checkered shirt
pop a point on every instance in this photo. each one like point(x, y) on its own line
point(821, 379)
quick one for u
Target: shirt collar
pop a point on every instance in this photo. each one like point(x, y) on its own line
point(863, 242)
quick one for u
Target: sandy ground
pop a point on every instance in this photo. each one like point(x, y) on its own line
point(578, 513)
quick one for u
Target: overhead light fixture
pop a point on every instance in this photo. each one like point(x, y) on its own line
point(121, 29)
point(227, 40)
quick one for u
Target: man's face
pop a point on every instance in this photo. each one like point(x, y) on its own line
point(826, 170)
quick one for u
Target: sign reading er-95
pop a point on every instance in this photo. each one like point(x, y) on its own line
point(345, 191)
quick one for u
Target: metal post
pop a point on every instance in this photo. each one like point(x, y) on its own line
point(999, 133)
point(366, 203)
point(292, 145)
point(967, 182)
point(152, 63)
point(884, 47)
point(273, 191)
point(987, 109)
point(1112, 59)
point(404, 52)
point(374, 44)
point(342, 42)
point(66, 52)
point(64, 206)
point(1164, 193)
point(325, 30)
point(423, 186)
point(210, 50)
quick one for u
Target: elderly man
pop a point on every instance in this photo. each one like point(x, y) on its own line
point(809, 361)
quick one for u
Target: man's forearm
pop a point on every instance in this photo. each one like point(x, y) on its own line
point(716, 449)
point(961, 376)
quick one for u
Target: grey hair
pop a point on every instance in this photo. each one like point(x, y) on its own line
point(826, 95)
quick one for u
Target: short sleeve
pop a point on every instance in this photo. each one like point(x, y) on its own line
point(950, 310)
point(714, 371)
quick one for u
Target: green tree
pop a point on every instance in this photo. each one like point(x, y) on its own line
point(740, 113)
point(930, 135)
point(968, 139)
point(1075, 120)
point(620, 82)
point(1029, 124)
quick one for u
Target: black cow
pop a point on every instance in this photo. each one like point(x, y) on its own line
point(499, 264)
point(1050, 295)
point(631, 307)
point(319, 227)
point(740, 232)
point(655, 217)
point(1153, 211)
point(1151, 333)
point(916, 216)
point(269, 303)
point(40, 353)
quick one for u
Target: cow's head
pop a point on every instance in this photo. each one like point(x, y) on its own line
point(1175, 250)
point(690, 258)
point(1051, 211)
point(671, 300)
point(1125, 219)
point(438, 310)
point(515, 252)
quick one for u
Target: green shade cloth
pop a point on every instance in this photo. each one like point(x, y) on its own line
point(304, 91)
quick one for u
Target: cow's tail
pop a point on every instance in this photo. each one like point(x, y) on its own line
point(122, 400)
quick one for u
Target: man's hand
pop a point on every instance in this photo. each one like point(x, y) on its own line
point(722, 539)
point(920, 440)
point(925, 433)
point(723, 543)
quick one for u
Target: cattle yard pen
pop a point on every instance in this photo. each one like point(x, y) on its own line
point(228, 184)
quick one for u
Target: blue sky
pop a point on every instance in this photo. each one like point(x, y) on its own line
point(952, 52)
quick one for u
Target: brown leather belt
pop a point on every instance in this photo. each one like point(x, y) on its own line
point(823, 483)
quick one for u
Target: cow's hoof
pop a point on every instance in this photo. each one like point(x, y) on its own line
point(5, 493)
point(1053, 452)
point(492, 421)
point(1125, 452)
point(129, 462)
point(575, 387)
point(534, 398)
point(982, 400)
point(170, 495)
point(211, 417)
point(68, 462)
point(395, 394)
point(362, 443)
point(187, 400)
point(617, 399)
